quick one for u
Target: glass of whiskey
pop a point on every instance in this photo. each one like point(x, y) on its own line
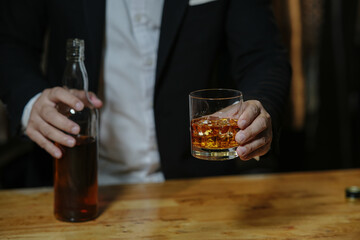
point(213, 123)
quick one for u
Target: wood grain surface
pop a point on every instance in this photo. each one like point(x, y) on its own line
point(274, 206)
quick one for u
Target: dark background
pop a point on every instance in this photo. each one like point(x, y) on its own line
point(328, 137)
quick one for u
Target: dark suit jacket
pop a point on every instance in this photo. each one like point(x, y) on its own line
point(224, 43)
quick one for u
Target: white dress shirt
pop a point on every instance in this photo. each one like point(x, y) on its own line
point(128, 145)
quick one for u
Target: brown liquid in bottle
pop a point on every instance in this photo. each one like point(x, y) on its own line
point(75, 185)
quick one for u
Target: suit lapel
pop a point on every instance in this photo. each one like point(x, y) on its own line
point(173, 13)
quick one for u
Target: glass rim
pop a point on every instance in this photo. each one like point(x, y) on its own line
point(193, 94)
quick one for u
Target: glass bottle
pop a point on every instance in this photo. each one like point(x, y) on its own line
point(75, 178)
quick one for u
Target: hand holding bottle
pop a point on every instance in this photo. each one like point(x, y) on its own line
point(46, 125)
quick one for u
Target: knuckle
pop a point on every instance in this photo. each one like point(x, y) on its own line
point(254, 109)
point(267, 117)
point(257, 103)
point(47, 112)
point(44, 111)
point(263, 141)
point(75, 91)
point(56, 91)
point(46, 91)
point(42, 143)
point(262, 123)
point(46, 131)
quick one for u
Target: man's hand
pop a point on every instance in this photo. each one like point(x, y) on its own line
point(46, 125)
point(255, 133)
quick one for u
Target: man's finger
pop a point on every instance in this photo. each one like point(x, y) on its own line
point(252, 109)
point(258, 152)
point(262, 140)
point(54, 118)
point(44, 143)
point(55, 135)
point(232, 111)
point(94, 100)
point(59, 94)
point(261, 123)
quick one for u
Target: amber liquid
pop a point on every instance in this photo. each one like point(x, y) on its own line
point(75, 183)
point(214, 133)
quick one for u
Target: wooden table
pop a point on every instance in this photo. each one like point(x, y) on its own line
point(275, 206)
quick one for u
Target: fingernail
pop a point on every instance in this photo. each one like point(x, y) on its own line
point(242, 150)
point(57, 154)
point(75, 130)
point(242, 123)
point(70, 141)
point(78, 106)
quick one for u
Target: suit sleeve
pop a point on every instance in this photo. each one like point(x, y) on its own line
point(259, 63)
point(22, 29)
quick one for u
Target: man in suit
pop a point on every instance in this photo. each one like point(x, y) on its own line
point(196, 44)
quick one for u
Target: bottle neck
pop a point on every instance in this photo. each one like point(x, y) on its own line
point(75, 75)
point(75, 55)
point(75, 50)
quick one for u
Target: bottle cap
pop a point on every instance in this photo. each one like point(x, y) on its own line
point(353, 193)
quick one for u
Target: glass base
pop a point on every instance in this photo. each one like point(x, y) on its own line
point(214, 154)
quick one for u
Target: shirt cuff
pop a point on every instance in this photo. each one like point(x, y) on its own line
point(26, 113)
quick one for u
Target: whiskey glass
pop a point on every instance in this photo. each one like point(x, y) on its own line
point(213, 123)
